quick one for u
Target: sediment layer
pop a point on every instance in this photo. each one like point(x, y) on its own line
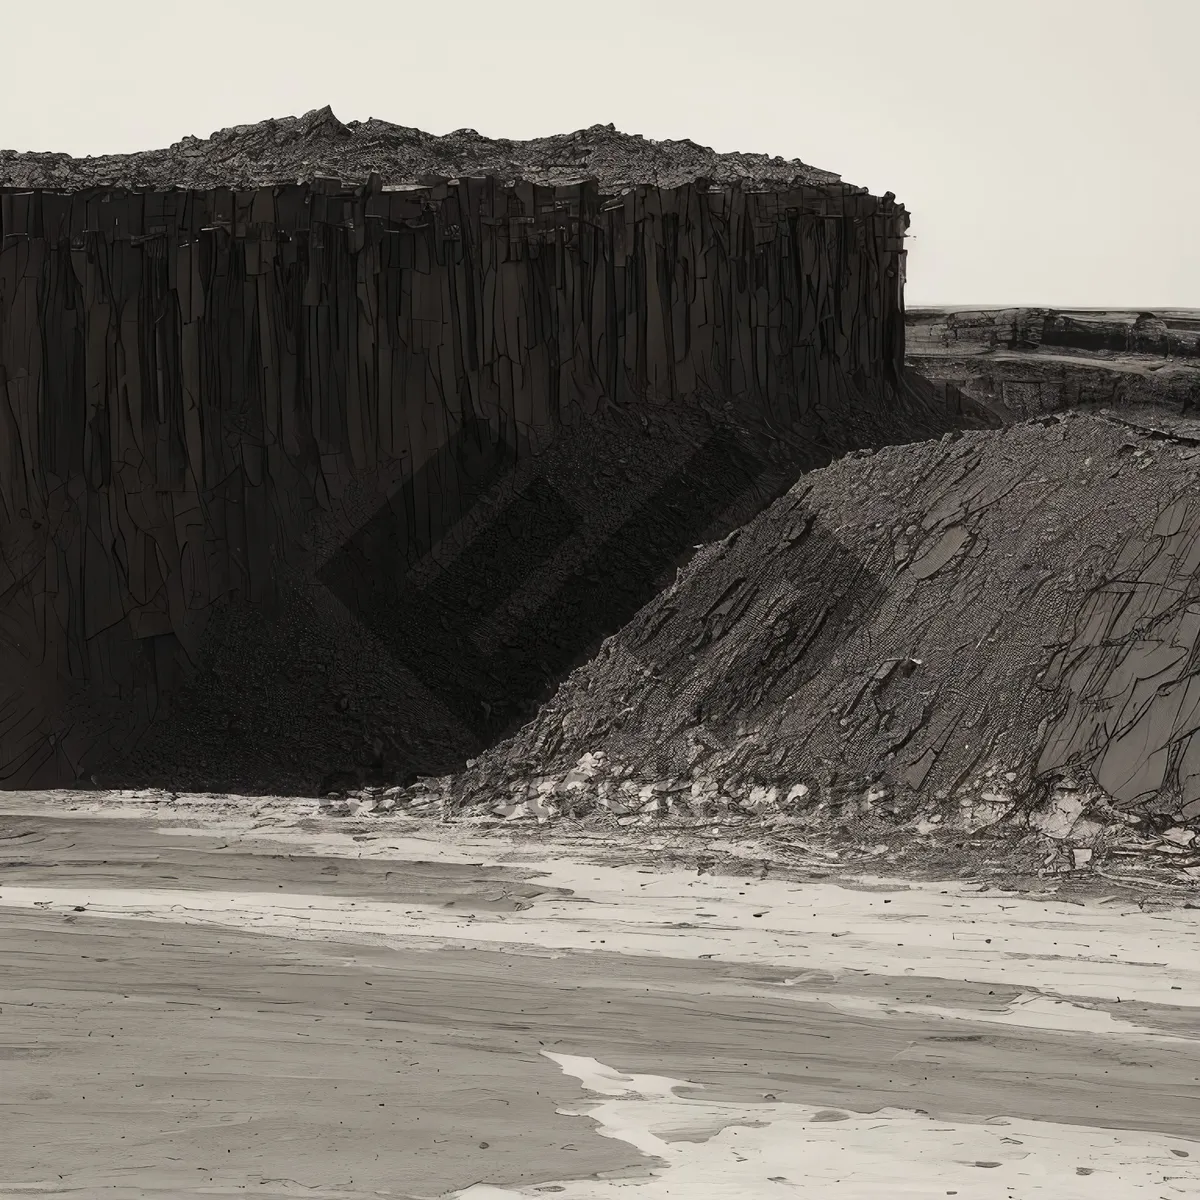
point(1023, 362)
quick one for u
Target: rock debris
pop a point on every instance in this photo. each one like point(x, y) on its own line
point(301, 149)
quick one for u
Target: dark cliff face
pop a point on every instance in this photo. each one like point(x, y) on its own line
point(303, 483)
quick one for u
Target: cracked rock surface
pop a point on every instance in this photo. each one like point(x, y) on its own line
point(986, 619)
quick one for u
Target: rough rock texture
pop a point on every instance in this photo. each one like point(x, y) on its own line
point(986, 619)
point(1021, 362)
point(302, 482)
point(301, 149)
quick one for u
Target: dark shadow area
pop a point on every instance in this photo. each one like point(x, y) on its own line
point(433, 629)
point(218, 388)
point(755, 625)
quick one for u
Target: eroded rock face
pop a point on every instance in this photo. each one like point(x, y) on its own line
point(302, 484)
point(974, 619)
point(1022, 362)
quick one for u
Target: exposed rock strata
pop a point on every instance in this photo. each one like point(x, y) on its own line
point(1022, 362)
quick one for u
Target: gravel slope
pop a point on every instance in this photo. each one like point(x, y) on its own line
point(973, 622)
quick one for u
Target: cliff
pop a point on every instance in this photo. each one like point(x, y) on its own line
point(309, 480)
point(1021, 362)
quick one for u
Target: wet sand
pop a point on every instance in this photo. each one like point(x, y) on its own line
point(213, 997)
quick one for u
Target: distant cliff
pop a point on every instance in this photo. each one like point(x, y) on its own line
point(1021, 362)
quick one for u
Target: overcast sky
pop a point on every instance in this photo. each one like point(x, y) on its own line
point(1047, 149)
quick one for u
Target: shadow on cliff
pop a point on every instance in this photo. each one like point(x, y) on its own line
point(423, 638)
point(310, 484)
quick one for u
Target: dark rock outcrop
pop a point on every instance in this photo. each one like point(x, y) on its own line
point(315, 482)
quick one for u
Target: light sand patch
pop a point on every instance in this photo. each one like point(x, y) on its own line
point(1109, 952)
point(1093, 954)
point(792, 1150)
point(1027, 1011)
point(683, 975)
point(991, 938)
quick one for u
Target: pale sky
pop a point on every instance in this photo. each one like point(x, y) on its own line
point(1049, 150)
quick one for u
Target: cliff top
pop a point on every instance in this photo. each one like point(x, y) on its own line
point(298, 149)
